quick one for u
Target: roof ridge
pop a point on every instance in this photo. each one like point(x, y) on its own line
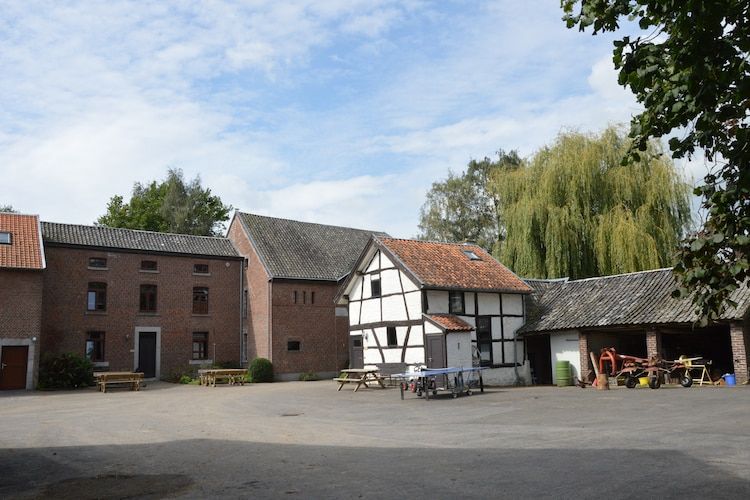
point(622, 274)
point(311, 223)
point(137, 230)
point(439, 242)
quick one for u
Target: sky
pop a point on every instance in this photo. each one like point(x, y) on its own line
point(332, 111)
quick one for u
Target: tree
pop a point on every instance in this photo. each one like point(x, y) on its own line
point(172, 206)
point(691, 72)
point(461, 208)
point(576, 211)
point(7, 209)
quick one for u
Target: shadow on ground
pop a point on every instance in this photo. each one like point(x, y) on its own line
point(215, 469)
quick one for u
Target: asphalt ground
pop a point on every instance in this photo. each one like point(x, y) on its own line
point(306, 440)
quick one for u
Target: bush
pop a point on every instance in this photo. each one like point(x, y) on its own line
point(308, 376)
point(186, 379)
point(179, 374)
point(65, 371)
point(261, 370)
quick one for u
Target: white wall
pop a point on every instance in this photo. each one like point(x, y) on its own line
point(458, 349)
point(513, 304)
point(564, 346)
point(489, 303)
point(437, 301)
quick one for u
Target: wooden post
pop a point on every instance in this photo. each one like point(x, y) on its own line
point(602, 382)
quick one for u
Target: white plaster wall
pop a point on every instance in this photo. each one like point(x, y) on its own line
point(564, 346)
point(414, 356)
point(468, 303)
point(489, 303)
point(510, 356)
point(356, 289)
point(392, 355)
point(430, 327)
point(373, 265)
point(414, 304)
point(394, 309)
point(409, 285)
point(416, 336)
point(437, 301)
point(497, 353)
point(511, 325)
point(370, 311)
point(507, 376)
point(385, 262)
point(354, 308)
point(389, 282)
point(366, 291)
point(512, 303)
point(497, 327)
point(458, 349)
point(356, 332)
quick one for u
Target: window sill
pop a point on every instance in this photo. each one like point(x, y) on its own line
point(100, 364)
point(95, 313)
point(97, 268)
point(148, 271)
point(146, 313)
point(200, 362)
point(197, 315)
point(201, 274)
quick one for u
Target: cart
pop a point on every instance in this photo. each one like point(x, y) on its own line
point(431, 381)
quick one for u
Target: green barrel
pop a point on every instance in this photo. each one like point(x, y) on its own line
point(562, 374)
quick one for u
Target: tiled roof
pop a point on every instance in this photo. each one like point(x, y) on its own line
point(304, 250)
point(132, 239)
point(643, 298)
point(450, 323)
point(25, 250)
point(446, 265)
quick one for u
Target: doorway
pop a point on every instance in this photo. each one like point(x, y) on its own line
point(147, 358)
point(435, 351)
point(356, 354)
point(13, 366)
point(540, 359)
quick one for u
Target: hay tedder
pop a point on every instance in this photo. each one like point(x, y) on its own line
point(654, 368)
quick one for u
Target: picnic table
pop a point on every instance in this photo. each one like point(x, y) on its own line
point(131, 379)
point(208, 377)
point(359, 376)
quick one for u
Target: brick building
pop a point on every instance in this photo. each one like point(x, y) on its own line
point(22, 262)
point(293, 272)
point(138, 300)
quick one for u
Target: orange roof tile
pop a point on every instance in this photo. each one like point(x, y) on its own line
point(446, 265)
point(25, 250)
point(450, 323)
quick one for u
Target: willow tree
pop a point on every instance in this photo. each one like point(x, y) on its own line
point(575, 210)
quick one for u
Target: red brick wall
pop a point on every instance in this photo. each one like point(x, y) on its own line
point(739, 341)
point(322, 336)
point(20, 304)
point(66, 320)
point(258, 286)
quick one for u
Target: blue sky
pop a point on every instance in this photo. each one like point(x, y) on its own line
point(331, 111)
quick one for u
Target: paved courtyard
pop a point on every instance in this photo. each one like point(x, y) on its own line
point(305, 440)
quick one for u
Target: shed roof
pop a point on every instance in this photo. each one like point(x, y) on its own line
point(292, 249)
point(25, 250)
point(449, 322)
point(448, 266)
point(642, 298)
point(133, 239)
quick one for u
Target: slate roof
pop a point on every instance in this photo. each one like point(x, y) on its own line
point(449, 322)
point(25, 250)
point(292, 249)
point(446, 266)
point(643, 298)
point(132, 239)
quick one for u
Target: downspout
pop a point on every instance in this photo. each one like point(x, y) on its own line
point(242, 310)
point(270, 319)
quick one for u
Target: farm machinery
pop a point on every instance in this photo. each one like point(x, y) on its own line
point(654, 368)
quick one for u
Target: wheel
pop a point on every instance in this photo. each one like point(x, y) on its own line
point(654, 382)
point(686, 380)
point(455, 395)
point(631, 382)
point(419, 394)
point(434, 393)
point(468, 393)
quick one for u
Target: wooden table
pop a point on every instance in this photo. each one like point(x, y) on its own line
point(233, 376)
point(359, 376)
point(131, 379)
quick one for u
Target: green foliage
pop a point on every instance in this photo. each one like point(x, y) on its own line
point(308, 376)
point(576, 211)
point(173, 206)
point(178, 375)
point(65, 371)
point(7, 209)
point(691, 72)
point(261, 370)
point(186, 379)
point(461, 208)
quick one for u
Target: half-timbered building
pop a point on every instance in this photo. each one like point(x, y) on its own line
point(414, 303)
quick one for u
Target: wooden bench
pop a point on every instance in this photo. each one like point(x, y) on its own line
point(129, 379)
point(359, 376)
point(233, 376)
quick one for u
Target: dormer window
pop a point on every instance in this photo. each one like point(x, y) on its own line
point(5, 238)
point(471, 255)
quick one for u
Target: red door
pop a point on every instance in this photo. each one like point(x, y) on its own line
point(13, 366)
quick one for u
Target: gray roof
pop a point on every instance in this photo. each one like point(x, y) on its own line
point(643, 298)
point(135, 240)
point(303, 250)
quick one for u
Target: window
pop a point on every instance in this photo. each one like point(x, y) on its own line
point(200, 345)
point(96, 298)
point(200, 268)
point(5, 238)
point(392, 339)
point(95, 346)
point(149, 265)
point(148, 298)
point(484, 340)
point(312, 297)
point(244, 303)
point(98, 262)
point(456, 302)
point(292, 345)
point(200, 300)
point(304, 297)
point(294, 294)
point(471, 255)
point(375, 287)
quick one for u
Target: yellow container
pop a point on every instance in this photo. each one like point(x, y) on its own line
point(643, 381)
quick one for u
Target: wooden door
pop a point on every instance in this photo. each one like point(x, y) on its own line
point(147, 354)
point(435, 351)
point(13, 366)
point(356, 353)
